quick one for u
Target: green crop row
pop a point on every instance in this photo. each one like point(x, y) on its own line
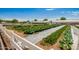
point(77, 27)
point(52, 39)
point(66, 42)
point(30, 29)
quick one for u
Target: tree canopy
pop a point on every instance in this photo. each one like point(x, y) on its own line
point(45, 19)
point(14, 21)
point(35, 19)
point(62, 18)
point(1, 20)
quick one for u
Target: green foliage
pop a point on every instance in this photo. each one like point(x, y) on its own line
point(66, 42)
point(1, 20)
point(77, 27)
point(62, 18)
point(14, 21)
point(45, 20)
point(52, 39)
point(30, 29)
point(35, 19)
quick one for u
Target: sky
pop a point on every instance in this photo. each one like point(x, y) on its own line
point(38, 13)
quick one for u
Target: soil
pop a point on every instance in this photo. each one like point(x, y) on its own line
point(50, 47)
point(20, 33)
point(6, 41)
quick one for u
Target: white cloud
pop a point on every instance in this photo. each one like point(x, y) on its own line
point(49, 9)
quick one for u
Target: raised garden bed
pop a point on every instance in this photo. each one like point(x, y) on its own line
point(66, 42)
point(30, 29)
point(52, 39)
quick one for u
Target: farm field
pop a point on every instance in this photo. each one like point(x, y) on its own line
point(77, 27)
point(30, 29)
point(45, 35)
point(60, 39)
point(39, 29)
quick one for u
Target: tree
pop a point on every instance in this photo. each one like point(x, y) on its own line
point(27, 21)
point(62, 18)
point(14, 21)
point(1, 20)
point(24, 22)
point(45, 20)
point(35, 19)
point(7, 21)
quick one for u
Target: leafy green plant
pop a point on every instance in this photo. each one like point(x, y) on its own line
point(66, 42)
point(52, 39)
point(30, 29)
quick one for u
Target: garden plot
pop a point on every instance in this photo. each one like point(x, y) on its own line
point(61, 39)
point(67, 41)
point(30, 29)
point(34, 38)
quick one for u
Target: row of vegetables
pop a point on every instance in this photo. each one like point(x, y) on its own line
point(65, 43)
point(30, 29)
point(52, 39)
point(77, 27)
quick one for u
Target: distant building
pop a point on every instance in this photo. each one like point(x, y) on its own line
point(40, 22)
point(68, 22)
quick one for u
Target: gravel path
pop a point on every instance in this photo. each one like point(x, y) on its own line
point(75, 36)
point(35, 38)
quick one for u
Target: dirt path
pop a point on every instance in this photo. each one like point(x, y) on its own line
point(35, 38)
point(50, 47)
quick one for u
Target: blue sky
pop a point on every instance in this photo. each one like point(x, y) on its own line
point(38, 13)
